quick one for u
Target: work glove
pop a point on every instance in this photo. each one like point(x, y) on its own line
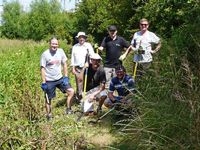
point(96, 46)
point(44, 86)
point(86, 65)
point(122, 57)
point(65, 81)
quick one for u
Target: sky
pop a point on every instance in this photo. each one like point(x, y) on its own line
point(69, 4)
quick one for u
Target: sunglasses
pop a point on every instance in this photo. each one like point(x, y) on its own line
point(98, 60)
point(143, 24)
point(112, 30)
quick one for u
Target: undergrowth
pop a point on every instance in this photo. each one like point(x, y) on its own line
point(165, 116)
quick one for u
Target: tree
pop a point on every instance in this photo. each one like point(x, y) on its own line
point(40, 19)
point(11, 16)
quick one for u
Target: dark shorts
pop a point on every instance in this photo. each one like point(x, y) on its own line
point(52, 85)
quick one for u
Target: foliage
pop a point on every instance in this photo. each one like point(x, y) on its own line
point(11, 16)
point(95, 16)
point(169, 107)
point(168, 99)
point(23, 123)
point(166, 16)
point(43, 21)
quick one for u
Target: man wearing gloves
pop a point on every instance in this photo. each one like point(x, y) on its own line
point(51, 63)
point(113, 45)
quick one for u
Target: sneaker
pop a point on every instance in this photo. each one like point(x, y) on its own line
point(49, 117)
point(68, 111)
point(92, 113)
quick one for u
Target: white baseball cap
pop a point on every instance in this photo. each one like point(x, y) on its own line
point(95, 56)
point(81, 34)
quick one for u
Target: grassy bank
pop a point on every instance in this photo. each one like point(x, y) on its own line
point(167, 101)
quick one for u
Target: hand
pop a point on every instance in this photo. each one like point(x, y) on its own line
point(153, 51)
point(92, 97)
point(65, 81)
point(44, 86)
point(122, 57)
point(86, 65)
point(100, 48)
point(130, 84)
point(73, 71)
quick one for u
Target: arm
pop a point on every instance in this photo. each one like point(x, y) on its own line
point(123, 56)
point(65, 72)
point(72, 61)
point(158, 46)
point(91, 49)
point(111, 96)
point(42, 68)
point(81, 74)
point(43, 74)
point(103, 44)
point(111, 91)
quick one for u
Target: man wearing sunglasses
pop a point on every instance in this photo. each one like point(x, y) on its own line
point(123, 84)
point(147, 43)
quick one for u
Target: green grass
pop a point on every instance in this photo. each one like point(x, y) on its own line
point(168, 116)
point(23, 123)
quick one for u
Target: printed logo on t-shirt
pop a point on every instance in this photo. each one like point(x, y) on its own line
point(53, 62)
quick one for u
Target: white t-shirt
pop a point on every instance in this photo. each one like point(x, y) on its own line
point(79, 53)
point(52, 63)
point(146, 40)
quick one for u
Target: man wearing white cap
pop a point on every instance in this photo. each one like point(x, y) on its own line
point(96, 79)
point(80, 51)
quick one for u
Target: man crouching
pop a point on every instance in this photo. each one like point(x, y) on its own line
point(94, 84)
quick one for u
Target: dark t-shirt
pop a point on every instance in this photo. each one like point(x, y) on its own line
point(113, 50)
point(95, 77)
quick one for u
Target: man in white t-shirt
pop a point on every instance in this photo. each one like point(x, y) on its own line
point(142, 45)
point(145, 39)
point(51, 63)
point(80, 54)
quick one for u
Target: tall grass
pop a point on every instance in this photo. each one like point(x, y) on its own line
point(167, 105)
point(170, 107)
point(21, 101)
point(23, 123)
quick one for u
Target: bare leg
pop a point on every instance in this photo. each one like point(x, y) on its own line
point(79, 84)
point(70, 93)
point(101, 100)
